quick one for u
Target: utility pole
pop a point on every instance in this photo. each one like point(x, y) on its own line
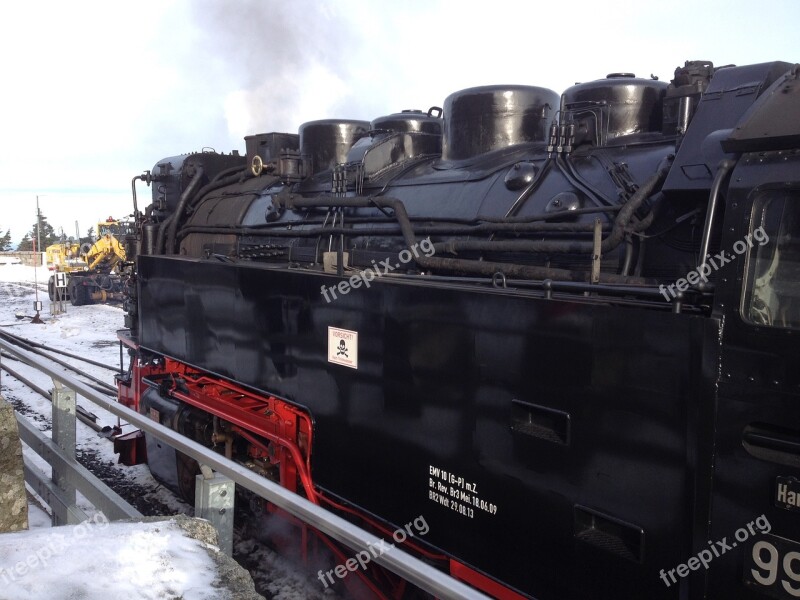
point(37, 306)
point(38, 225)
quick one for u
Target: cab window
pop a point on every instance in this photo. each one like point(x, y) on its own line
point(772, 285)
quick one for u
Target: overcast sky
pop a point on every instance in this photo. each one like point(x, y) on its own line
point(94, 93)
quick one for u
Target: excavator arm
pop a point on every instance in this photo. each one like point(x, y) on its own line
point(105, 254)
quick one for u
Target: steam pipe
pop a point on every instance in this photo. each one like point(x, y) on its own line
point(453, 264)
point(549, 216)
point(229, 171)
point(554, 216)
point(184, 200)
point(489, 268)
point(221, 180)
point(171, 222)
point(651, 216)
point(532, 246)
point(420, 230)
point(628, 259)
point(162, 228)
point(133, 190)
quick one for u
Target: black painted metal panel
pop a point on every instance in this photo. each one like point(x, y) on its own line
point(577, 421)
point(757, 434)
point(731, 92)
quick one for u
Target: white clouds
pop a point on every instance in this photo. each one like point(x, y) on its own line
point(71, 71)
point(95, 92)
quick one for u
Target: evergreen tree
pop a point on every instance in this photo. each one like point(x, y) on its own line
point(26, 245)
point(40, 231)
point(89, 235)
point(5, 241)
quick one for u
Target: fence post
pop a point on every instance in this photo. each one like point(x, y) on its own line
point(64, 410)
point(213, 500)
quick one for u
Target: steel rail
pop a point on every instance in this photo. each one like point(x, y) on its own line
point(412, 569)
point(81, 414)
point(10, 371)
point(110, 388)
point(41, 346)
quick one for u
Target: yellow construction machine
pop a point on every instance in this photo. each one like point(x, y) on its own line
point(89, 272)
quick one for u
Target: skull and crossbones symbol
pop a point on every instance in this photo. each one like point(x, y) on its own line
point(342, 350)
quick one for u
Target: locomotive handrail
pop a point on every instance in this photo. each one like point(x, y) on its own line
point(410, 568)
point(723, 170)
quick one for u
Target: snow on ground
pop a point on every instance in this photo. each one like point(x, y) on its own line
point(98, 560)
point(38, 518)
point(91, 331)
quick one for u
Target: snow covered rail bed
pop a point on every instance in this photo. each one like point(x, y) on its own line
point(30, 344)
point(44, 350)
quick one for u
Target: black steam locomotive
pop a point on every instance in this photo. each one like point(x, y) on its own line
point(563, 330)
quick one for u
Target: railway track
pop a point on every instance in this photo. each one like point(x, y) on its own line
point(274, 575)
point(84, 416)
point(48, 351)
point(141, 491)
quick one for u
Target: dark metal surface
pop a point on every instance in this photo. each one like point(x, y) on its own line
point(326, 142)
point(620, 105)
point(439, 371)
point(269, 145)
point(683, 94)
point(173, 175)
point(773, 121)
point(482, 119)
point(731, 92)
point(409, 120)
point(759, 383)
point(394, 140)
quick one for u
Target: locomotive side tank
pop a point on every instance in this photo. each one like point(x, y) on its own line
point(561, 329)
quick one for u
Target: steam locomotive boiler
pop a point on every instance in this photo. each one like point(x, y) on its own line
point(561, 329)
